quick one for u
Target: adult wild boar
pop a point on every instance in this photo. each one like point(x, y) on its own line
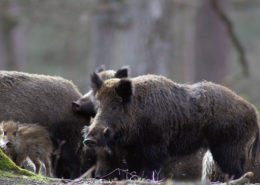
point(87, 104)
point(151, 119)
point(46, 100)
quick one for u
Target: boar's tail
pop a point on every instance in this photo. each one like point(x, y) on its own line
point(255, 146)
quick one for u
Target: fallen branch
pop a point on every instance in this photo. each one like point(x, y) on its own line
point(245, 179)
point(82, 177)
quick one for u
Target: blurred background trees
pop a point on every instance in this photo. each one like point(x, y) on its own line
point(184, 40)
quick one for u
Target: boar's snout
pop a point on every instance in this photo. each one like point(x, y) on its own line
point(9, 144)
point(90, 142)
point(76, 106)
point(89, 109)
point(85, 108)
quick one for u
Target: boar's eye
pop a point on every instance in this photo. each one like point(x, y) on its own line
point(107, 132)
point(113, 106)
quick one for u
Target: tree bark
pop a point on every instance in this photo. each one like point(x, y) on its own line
point(136, 32)
point(211, 44)
point(7, 25)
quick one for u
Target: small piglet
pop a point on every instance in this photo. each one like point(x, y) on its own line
point(22, 140)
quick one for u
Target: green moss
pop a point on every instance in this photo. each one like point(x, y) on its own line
point(10, 174)
point(7, 164)
point(9, 169)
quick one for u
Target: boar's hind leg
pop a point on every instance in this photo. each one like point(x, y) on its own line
point(47, 163)
point(230, 158)
point(37, 163)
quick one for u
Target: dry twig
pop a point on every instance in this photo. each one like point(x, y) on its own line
point(82, 177)
point(245, 179)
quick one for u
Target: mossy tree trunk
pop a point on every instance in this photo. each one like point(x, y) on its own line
point(6, 164)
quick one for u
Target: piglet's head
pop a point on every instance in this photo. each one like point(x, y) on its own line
point(8, 134)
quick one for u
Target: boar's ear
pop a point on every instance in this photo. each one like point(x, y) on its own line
point(101, 68)
point(122, 73)
point(96, 82)
point(125, 90)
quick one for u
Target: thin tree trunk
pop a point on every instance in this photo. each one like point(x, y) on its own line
point(211, 44)
point(136, 32)
point(7, 25)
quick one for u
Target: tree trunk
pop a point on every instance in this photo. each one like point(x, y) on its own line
point(136, 32)
point(7, 25)
point(211, 44)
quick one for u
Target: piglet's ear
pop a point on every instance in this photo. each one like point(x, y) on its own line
point(96, 82)
point(122, 73)
point(125, 90)
point(101, 68)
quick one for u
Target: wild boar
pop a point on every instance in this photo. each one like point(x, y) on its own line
point(151, 119)
point(32, 98)
point(20, 141)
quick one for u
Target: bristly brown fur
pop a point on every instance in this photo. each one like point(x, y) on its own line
point(87, 106)
point(27, 140)
point(166, 119)
point(212, 172)
point(32, 98)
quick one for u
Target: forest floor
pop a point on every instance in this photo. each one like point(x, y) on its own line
point(22, 180)
point(10, 174)
point(39, 180)
point(26, 181)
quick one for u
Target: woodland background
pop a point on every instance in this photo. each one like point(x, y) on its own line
point(185, 40)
